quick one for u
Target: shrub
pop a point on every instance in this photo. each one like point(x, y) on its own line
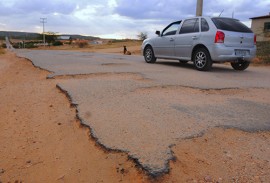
point(30, 45)
point(16, 45)
point(57, 43)
point(82, 44)
point(2, 51)
point(142, 36)
point(4, 45)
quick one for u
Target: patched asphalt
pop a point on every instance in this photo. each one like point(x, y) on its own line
point(144, 109)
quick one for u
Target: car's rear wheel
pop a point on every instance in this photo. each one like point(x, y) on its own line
point(240, 65)
point(149, 55)
point(202, 59)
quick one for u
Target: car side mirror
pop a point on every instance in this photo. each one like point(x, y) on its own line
point(158, 33)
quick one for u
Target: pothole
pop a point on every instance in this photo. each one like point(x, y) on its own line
point(193, 90)
point(197, 96)
point(104, 76)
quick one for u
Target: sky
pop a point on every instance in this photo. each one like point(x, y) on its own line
point(116, 18)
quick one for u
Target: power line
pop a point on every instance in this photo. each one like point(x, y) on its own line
point(43, 21)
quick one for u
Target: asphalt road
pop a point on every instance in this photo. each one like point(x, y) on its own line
point(144, 109)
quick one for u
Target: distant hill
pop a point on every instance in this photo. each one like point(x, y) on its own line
point(34, 36)
point(19, 35)
point(76, 36)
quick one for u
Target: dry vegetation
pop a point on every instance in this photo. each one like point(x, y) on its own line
point(263, 53)
point(117, 44)
point(2, 51)
point(112, 44)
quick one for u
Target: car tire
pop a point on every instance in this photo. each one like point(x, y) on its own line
point(202, 60)
point(149, 55)
point(240, 65)
point(183, 61)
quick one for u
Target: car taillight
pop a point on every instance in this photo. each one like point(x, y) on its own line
point(220, 36)
point(255, 39)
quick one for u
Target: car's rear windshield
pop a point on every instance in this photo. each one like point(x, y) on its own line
point(230, 24)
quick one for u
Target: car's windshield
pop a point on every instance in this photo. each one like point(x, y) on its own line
point(171, 29)
point(230, 24)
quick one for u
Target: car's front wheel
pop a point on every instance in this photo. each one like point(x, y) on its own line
point(202, 59)
point(240, 65)
point(149, 55)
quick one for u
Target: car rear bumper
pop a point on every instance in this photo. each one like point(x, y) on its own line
point(221, 53)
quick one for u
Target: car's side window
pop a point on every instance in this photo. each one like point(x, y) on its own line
point(171, 29)
point(204, 25)
point(196, 26)
point(190, 26)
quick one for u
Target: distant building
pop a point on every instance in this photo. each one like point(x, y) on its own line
point(64, 38)
point(96, 42)
point(261, 27)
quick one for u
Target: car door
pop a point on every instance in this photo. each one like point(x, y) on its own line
point(188, 36)
point(164, 44)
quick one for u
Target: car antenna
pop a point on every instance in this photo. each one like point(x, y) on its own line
point(221, 13)
point(233, 14)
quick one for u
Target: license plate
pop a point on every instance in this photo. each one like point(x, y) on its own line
point(241, 52)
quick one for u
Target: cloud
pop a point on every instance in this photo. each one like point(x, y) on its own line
point(25, 7)
point(175, 10)
point(242, 9)
point(155, 9)
point(118, 18)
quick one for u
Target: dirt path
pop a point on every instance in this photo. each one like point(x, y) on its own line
point(41, 141)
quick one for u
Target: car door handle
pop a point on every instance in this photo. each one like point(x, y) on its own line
point(171, 39)
point(194, 37)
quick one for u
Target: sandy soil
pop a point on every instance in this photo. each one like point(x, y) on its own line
point(41, 141)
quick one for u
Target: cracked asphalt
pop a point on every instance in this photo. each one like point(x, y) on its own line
point(144, 109)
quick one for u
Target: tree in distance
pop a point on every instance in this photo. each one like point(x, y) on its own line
point(142, 36)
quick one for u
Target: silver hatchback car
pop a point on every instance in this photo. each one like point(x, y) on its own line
point(203, 40)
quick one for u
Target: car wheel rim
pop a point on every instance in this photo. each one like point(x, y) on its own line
point(148, 54)
point(200, 59)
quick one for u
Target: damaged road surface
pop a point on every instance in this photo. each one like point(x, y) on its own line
point(144, 109)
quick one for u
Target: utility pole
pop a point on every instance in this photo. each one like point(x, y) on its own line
point(43, 21)
point(199, 9)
